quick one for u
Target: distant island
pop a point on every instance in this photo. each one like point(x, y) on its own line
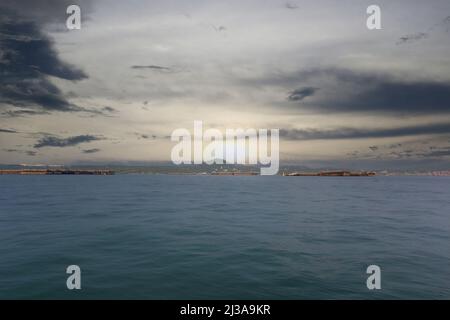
point(335, 173)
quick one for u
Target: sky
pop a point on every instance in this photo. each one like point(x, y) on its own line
point(115, 90)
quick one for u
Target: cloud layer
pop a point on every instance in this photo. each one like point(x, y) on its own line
point(28, 59)
point(345, 90)
point(51, 141)
point(355, 133)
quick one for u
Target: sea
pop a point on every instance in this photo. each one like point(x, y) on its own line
point(150, 236)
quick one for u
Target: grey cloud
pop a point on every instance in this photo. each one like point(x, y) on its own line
point(145, 136)
point(351, 91)
point(27, 152)
point(437, 153)
point(394, 96)
point(407, 150)
point(219, 28)
point(395, 145)
point(409, 38)
point(8, 131)
point(108, 109)
point(301, 93)
point(22, 112)
point(28, 58)
point(291, 6)
point(446, 23)
point(95, 150)
point(152, 67)
point(159, 69)
point(412, 38)
point(354, 133)
point(444, 152)
point(104, 111)
point(52, 141)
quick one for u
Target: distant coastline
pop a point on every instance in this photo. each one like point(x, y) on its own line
point(57, 172)
point(334, 173)
point(202, 170)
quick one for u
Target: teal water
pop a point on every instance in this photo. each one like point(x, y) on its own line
point(210, 237)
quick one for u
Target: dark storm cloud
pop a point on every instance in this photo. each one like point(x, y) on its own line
point(28, 58)
point(301, 93)
point(52, 141)
point(353, 133)
point(350, 91)
point(395, 96)
point(95, 150)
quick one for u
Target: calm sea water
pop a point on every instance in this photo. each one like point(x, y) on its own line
point(209, 237)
